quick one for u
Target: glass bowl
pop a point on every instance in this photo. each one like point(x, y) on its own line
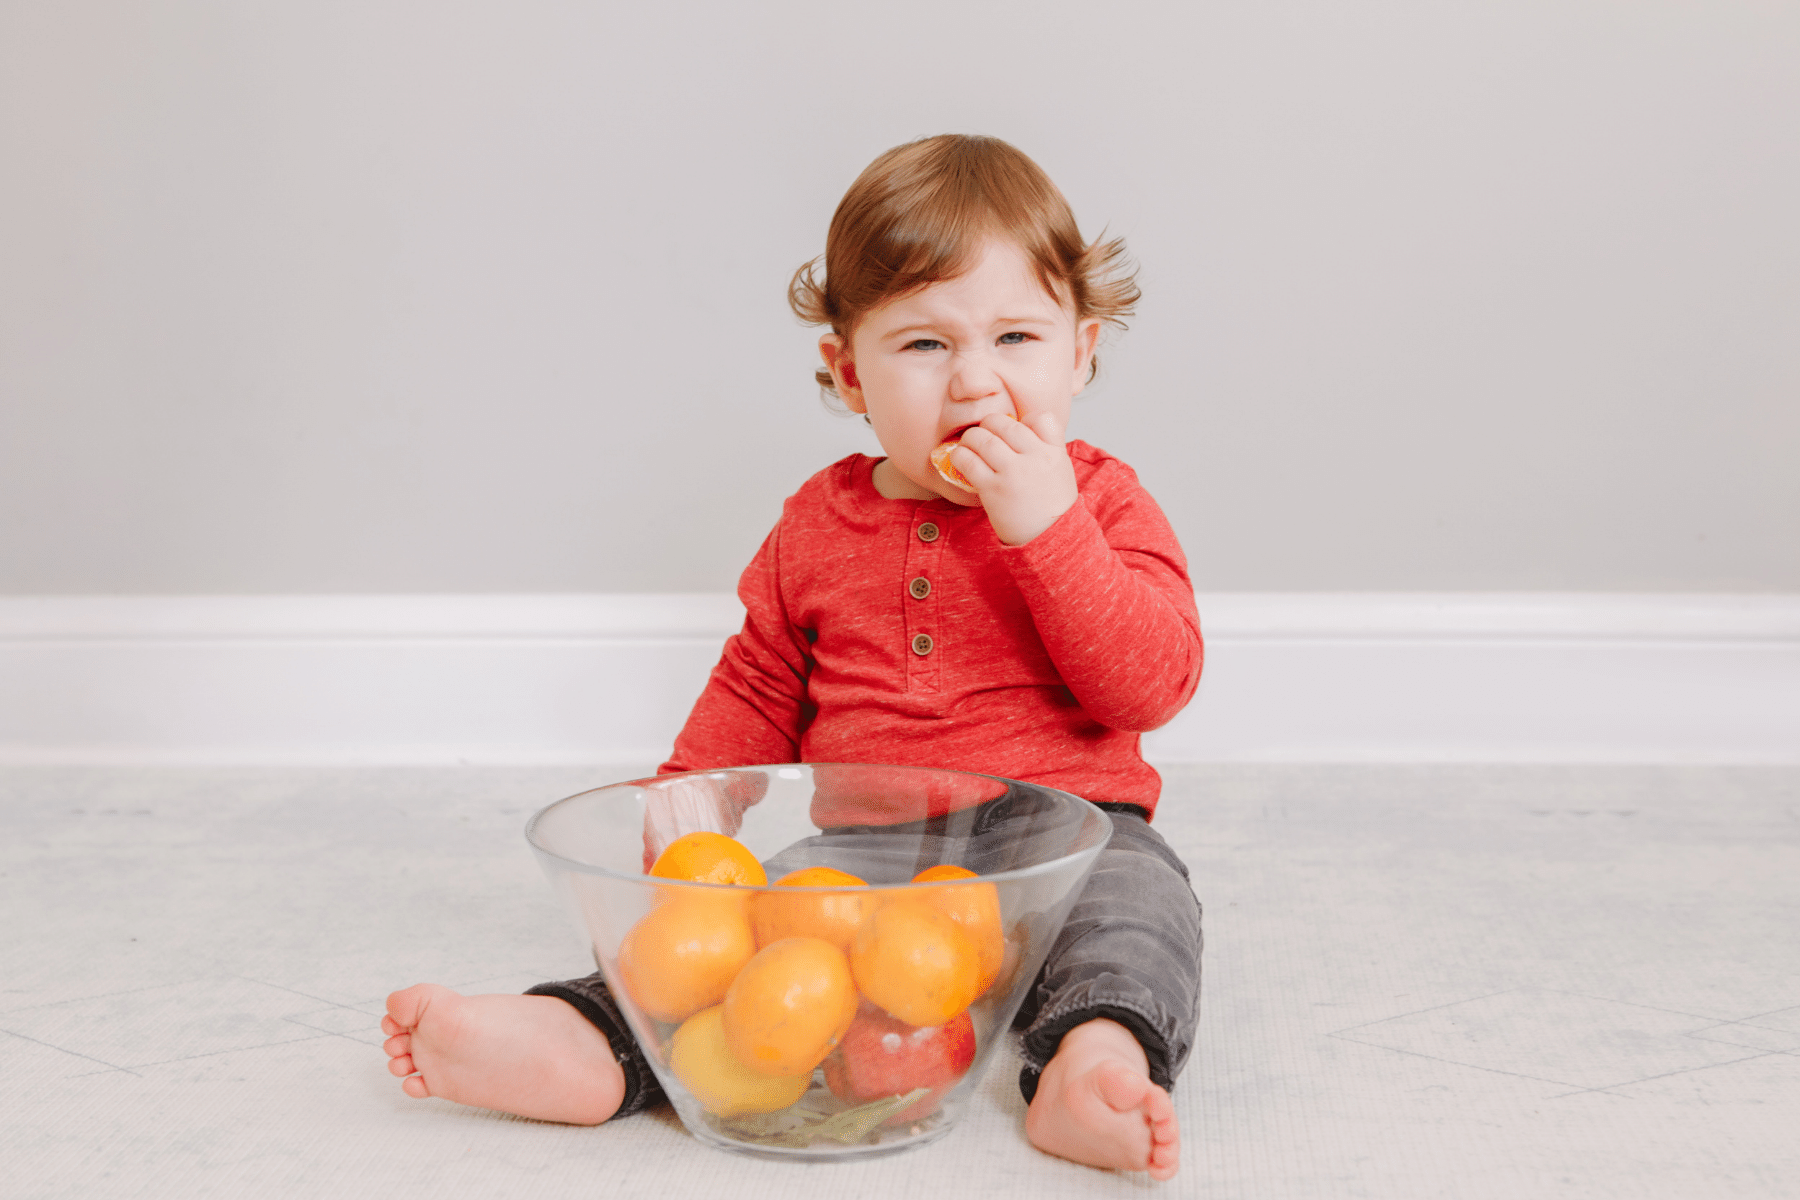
point(899, 1074)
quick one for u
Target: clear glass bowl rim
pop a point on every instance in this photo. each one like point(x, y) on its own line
point(1019, 873)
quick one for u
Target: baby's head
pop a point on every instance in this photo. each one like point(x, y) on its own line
point(922, 214)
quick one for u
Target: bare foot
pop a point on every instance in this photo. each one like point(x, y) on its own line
point(535, 1056)
point(1095, 1104)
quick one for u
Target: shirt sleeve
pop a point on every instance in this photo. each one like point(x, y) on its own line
point(1108, 588)
point(754, 706)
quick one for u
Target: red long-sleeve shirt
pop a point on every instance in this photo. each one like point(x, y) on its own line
point(904, 631)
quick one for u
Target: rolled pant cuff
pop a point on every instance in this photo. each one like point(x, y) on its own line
point(1041, 1041)
point(593, 1001)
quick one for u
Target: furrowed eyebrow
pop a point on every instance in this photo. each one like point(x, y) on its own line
point(908, 330)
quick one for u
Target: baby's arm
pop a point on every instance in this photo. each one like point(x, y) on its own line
point(1108, 589)
point(1112, 602)
point(754, 703)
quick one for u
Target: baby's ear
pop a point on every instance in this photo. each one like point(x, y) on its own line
point(834, 348)
point(1087, 338)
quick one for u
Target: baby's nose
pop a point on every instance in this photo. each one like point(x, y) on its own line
point(975, 379)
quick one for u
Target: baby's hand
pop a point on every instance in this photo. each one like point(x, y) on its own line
point(1021, 472)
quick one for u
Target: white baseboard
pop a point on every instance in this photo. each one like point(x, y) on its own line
point(609, 678)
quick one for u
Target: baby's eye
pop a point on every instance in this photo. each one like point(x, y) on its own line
point(1015, 338)
point(923, 344)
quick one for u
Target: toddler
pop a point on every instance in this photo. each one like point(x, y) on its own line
point(1030, 624)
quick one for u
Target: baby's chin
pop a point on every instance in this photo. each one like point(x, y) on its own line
point(956, 495)
point(928, 484)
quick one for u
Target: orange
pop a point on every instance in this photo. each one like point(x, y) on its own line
point(706, 1067)
point(682, 957)
point(709, 858)
point(940, 462)
point(789, 1006)
point(833, 916)
point(977, 909)
point(915, 962)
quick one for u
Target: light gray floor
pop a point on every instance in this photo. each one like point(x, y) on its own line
point(1420, 982)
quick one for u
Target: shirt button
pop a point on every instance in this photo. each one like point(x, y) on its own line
point(922, 644)
point(928, 532)
point(920, 588)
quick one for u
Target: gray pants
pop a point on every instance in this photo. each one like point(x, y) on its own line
point(1129, 952)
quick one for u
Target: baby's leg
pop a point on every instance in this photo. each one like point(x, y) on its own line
point(535, 1056)
point(1112, 1018)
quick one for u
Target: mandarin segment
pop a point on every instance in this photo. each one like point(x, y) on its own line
point(789, 1005)
point(915, 962)
point(833, 916)
point(940, 462)
point(707, 857)
point(724, 1086)
point(684, 954)
point(976, 908)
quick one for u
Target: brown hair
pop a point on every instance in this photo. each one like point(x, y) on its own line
point(917, 215)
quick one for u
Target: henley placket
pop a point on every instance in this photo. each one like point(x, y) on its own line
point(924, 552)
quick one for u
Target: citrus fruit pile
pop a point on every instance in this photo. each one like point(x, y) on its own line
point(766, 985)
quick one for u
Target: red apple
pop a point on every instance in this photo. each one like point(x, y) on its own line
point(881, 1056)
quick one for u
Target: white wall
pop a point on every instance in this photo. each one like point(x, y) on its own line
point(380, 296)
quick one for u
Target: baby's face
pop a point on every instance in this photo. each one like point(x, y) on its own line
point(929, 364)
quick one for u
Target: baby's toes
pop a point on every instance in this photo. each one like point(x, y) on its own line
point(400, 1043)
point(401, 1064)
point(1159, 1108)
point(1165, 1136)
point(414, 1086)
point(406, 1006)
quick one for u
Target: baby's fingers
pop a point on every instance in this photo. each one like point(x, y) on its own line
point(1024, 436)
point(1048, 427)
point(971, 466)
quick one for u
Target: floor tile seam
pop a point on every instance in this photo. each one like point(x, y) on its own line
point(1674, 1012)
point(1753, 1018)
point(64, 1050)
point(316, 1035)
point(1470, 1066)
point(361, 1009)
point(1559, 991)
point(357, 1008)
point(374, 1022)
point(1417, 1011)
point(338, 1032)
point(381, 1039)
point(6, 1012)
point(1740, 1045)
point(1718, 1025)
point(1608, 1088)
